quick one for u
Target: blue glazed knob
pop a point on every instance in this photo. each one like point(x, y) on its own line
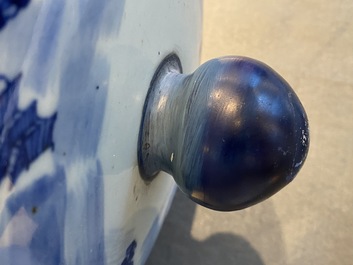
point(231, 134)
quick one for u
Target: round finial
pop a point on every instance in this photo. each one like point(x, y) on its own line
point(231, 134)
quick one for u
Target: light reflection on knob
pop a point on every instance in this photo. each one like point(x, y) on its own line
point(231, 134)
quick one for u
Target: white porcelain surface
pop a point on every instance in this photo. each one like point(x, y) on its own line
point(85, 67)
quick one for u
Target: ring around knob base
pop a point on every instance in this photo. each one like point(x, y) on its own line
point(152, 136)
point(231, 134)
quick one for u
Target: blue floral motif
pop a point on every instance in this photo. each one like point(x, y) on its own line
point(23, 135)
point(9, 9)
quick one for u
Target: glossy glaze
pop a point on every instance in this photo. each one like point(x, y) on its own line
point(232, 134)
point(73, 75)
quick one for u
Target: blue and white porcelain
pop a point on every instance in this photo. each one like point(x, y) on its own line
point(73, 78)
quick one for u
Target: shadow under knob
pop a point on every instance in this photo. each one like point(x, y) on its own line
point(231, 134)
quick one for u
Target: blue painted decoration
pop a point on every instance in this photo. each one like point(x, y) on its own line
point(38, 213)
point(129, 254)
point(24, 135)
point(56, 217)
point(35, 221)
point(9, 9)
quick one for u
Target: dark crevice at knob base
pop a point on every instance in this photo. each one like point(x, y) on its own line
point(149, 151)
